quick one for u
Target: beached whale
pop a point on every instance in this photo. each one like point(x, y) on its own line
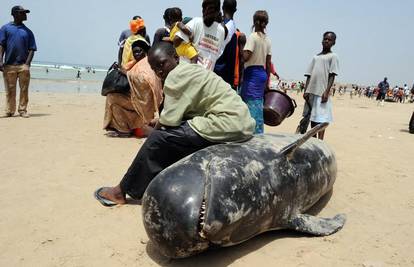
point(228, 193)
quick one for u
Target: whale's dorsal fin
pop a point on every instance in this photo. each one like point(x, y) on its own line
point(317, 226)
point(290, 149)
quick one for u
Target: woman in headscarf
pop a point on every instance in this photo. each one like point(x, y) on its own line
point(138, 30)
point(129, 114)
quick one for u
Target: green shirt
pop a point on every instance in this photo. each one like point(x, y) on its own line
point(213, 109)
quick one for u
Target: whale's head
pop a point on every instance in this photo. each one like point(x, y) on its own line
point(172, 209)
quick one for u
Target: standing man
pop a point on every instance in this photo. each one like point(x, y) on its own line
point(383, 89)
point(17, 47)
point(228, 63)
point(406, 92)
point(209, 35)
point(164, 32)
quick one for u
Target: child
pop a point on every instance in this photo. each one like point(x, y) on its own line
point(183, 43)
point(320, 79)
point(183, 47)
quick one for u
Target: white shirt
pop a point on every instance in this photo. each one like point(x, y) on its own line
point(209, 41)
point(231, 30)
point(319, 70)
point(259, 44)
point(406, 90)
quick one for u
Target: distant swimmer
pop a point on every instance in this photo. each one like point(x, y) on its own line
point(78, 75)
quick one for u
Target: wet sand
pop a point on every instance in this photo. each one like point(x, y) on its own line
point(51, 163)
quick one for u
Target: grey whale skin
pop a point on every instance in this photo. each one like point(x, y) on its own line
point(228, 193)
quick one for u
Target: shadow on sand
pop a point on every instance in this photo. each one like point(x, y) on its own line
point(36, 115)
point(31, 115)
point(225, 256)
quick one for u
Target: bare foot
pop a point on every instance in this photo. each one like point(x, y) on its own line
point(114, 194)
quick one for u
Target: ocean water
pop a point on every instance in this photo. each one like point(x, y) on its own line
point(51, 71)
point(47, 77)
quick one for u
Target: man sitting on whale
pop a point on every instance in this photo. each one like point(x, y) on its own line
point(200, 110)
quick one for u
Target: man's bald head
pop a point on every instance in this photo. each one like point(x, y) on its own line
point(162, 47)
point(163, 58)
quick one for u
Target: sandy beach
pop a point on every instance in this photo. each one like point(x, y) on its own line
point(51, 163)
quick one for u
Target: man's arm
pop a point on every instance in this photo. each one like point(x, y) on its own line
point(1, 58)
point(331, 81)
point(29, 58)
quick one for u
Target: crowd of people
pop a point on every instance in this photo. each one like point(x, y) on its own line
point(244, 62)
point(201, 82)
point(207, 87)
point(212, 41)
point(384, 92)
point(381, 92)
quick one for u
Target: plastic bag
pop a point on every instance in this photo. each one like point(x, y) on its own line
point(115, 82)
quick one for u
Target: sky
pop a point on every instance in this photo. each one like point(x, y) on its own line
point(375, 38)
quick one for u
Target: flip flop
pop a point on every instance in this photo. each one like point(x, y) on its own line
point(115, 134)
point(102, 200)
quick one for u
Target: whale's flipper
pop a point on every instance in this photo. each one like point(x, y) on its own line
point(317, 226)
point(290, 149)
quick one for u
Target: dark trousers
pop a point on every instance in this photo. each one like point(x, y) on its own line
point(161, 149)
point(381, 96)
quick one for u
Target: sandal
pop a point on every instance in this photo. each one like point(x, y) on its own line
point(118, 134)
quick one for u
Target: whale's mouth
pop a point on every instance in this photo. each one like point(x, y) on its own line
point(201, 219)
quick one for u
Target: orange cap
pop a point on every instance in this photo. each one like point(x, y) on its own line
point(136, 25)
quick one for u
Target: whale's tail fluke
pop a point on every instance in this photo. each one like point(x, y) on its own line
point(290, 149)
